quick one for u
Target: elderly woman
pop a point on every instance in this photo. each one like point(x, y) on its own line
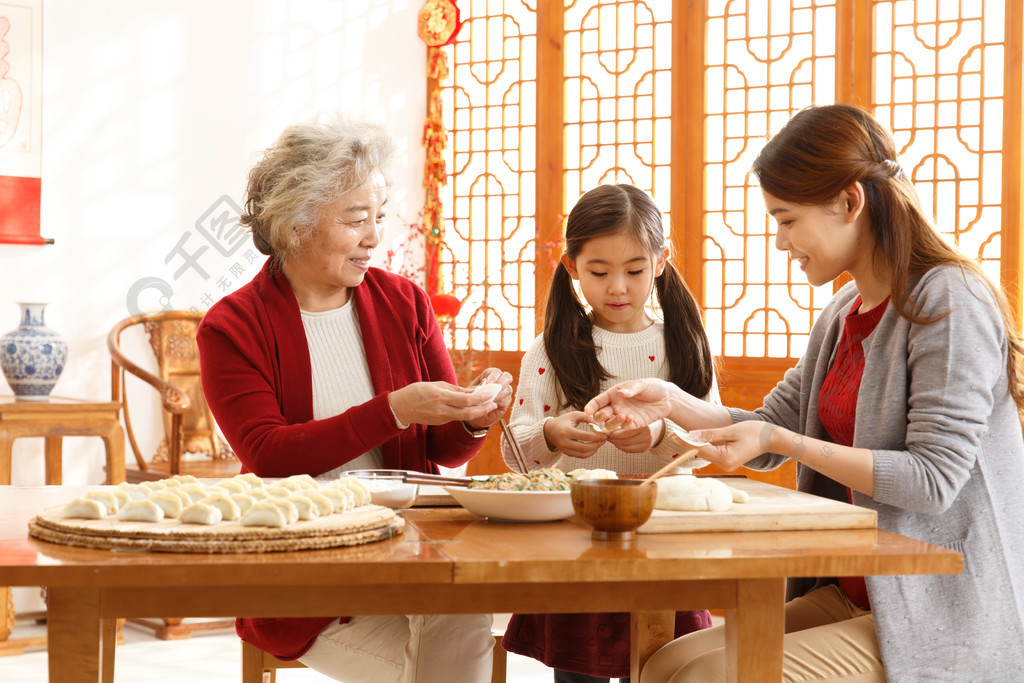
point(323, 363)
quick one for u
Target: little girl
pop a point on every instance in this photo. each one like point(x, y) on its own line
point(615, 248)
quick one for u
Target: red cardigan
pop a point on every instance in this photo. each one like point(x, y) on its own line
point(255, 367)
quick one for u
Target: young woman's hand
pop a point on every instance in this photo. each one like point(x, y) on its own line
point(637, 440)
point(734, 446)
point(632, 404)
point(565, 435)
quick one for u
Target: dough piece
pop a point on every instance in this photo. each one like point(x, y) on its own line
point(739, 496)
point(489, 389)
point(689, 493)
point(324, 505)
point(169, 501)
point(291, 513)
point(84, 508)
point(200, 513)
point(593, 474)
point(306, 507)
point(196, 492)
point(251, 479)
point(229, 509)
point(264, 514)
point(108, 499)
point(233, 485)
point(244, 501)
point(140, 511)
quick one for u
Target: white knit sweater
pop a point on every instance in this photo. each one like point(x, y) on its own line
point(635, 355)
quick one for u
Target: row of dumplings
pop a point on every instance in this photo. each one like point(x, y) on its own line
point(244, 498)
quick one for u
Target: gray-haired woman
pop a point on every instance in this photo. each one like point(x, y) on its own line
point(323, 363)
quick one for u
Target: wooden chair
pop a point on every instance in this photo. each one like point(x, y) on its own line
point(261, 667)
point(188, 424)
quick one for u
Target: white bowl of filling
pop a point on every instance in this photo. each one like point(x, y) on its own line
point(538, 496)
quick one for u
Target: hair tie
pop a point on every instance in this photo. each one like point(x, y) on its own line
point(894, 169)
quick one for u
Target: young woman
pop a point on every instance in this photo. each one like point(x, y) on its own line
point(615, 249)
point(907, 401)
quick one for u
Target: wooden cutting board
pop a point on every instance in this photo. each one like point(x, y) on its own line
point(771, 508)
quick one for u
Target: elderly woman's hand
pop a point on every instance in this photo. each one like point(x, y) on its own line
point(502, 399)
point(436, 403)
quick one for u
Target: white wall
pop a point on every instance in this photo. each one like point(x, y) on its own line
point(154, 110)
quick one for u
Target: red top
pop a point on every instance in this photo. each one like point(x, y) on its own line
point(837, 405)
point(258, 382)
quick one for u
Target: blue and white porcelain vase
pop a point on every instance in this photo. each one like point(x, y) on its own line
point(33, 355)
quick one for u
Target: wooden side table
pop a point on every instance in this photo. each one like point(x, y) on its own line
point(53, 419)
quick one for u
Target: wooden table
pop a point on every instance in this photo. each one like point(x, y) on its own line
point(449, 561)
point(53, 419)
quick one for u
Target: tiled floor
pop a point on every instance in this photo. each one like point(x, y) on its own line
point(204, 658)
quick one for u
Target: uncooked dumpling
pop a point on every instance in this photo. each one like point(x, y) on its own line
point(107, 498)
point(488, 389)
point(244, 501)
point(200, 513)
point(358, 489)
point(251, 479)
point(233, 485)
point(306, 507)
point(303, 480)
point(84, 508)
point(196, 492)
point(291, 513)
point(325, 505)
point(229, 509)
point(263, 514)
point(340, 497)
point(140, 511)
point(169, 502)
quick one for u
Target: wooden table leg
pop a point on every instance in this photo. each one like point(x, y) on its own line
point(6, 442)
point(114, 443)
point(648, 632)
point(754, 632)
point(109, 636)
point(54, 465)
point(74, 632)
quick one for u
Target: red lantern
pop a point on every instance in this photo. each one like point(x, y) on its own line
point(438, 22)
point(445, 305)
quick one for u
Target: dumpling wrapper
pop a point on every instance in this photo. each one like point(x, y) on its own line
point(84, 508)
point(489, 389)
point(264, 514)
point(229, 509)
point(140, 511)
point(169, 501)
point(200, 513)
point(688, 493)
point(601, 429)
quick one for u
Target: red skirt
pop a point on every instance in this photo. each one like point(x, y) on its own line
point(592, 644)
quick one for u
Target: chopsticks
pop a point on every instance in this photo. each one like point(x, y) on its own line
point(517, 451)
point(435, 479)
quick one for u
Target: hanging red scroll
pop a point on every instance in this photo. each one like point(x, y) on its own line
point(438, 25)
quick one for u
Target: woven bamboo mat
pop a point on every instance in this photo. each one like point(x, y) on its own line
point(357, 526)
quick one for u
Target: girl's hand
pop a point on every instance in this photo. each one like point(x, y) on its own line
point(632, 404)
point(502, 400)
point(734, 446)
point(436, 403)
point(637, 440)
point(563, 434)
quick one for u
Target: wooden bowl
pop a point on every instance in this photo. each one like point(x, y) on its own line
point(613, 508)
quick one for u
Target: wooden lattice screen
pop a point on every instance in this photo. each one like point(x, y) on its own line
point(547, 99)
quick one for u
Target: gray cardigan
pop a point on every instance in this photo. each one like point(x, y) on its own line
point(934, 407)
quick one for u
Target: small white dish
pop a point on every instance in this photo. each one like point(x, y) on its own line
point(514, 506)
point(388, 488)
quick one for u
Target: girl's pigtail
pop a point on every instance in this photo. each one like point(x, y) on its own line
point(686, 342)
